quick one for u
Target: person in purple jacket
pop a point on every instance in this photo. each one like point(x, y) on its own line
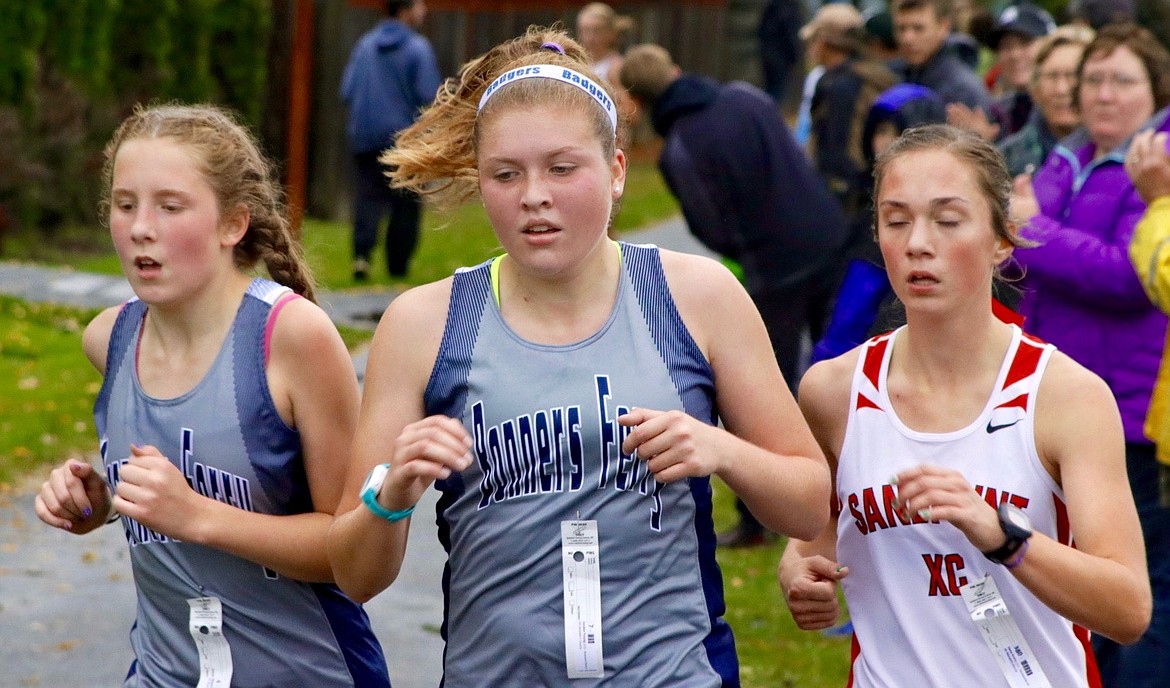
point(1081, 293)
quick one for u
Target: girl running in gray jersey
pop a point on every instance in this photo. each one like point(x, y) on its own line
point(564, 397)
point(224, 453)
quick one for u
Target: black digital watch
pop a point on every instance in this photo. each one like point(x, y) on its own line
point(1016, 526)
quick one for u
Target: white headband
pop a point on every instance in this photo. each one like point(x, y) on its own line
point(560, 74)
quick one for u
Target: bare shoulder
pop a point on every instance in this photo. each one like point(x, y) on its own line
point(1076, 416)
point(1068, 386)
point(95, 341)
point(411, 328)
point(423, 307)
point(824, 388)
point(694, 278)
point(703, 288)
point(714, 306)
point(301, 329)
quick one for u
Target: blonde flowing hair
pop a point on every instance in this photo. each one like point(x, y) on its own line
point(436, 156)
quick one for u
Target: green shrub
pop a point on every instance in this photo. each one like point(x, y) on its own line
point(63, 91)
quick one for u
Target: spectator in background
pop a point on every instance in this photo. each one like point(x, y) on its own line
point(391, 75)
point(922, 28)
point(1054, 115)
point(1081, 292)
point(1148, 165)
point(603, 32)
point(879, 31)
point(1016, 42)
point(1013, 37)
point(960, 42)
point(749, 193)
point(780, 46)
point(803, 131)
point(841, 101)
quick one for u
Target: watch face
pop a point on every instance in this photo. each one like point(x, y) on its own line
point(1014, 521)
point(1019, 519)
point(374, 480)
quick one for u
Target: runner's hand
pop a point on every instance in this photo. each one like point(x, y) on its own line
point(943, 494)
point(810, 590)
point(674, 445)
point(427, 450)
point(74, 498)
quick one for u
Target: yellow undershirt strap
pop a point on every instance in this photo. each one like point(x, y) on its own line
point(494, 271)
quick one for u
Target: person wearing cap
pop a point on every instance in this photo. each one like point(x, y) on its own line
point(1054, 114)
point(922, 28)
point(1016, 42)
point(1098, 13)
point(748, 192)
point(842, 98)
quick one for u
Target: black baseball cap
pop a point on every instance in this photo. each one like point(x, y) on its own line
point(1026, 20)
point(1098, 13)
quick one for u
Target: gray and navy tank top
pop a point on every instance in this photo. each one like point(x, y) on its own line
point(226, 437)
point(547, 447)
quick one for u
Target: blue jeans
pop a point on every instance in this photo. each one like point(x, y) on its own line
point(1146, 663)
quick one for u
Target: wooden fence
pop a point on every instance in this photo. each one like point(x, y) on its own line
point(715, 37)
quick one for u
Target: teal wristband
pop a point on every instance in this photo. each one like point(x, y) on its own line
point(370, 490)
point(371, 501)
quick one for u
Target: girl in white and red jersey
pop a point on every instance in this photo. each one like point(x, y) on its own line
point(966, 457)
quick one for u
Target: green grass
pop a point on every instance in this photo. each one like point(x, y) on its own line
point(48, 386)
point(773, 652)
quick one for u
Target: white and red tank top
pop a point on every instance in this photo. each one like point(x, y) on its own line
point(911, 626)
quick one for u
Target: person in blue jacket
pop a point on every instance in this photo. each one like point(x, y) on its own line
point(748, 192)
point(391, 75)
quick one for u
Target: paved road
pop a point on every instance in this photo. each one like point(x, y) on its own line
point(67, 602)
